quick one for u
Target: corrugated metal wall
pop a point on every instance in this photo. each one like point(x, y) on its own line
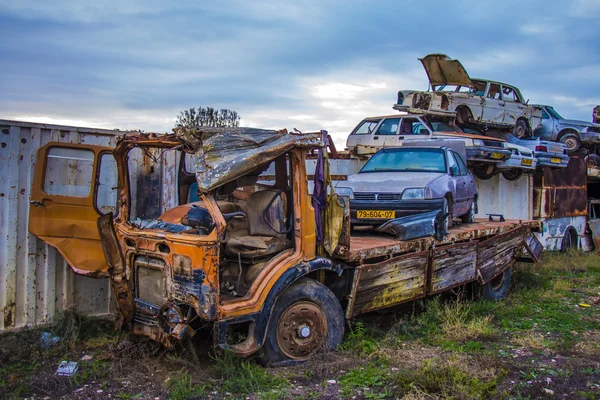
point(35, 281)
point(514, 199)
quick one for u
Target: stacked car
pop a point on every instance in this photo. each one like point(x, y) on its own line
point(417, 177)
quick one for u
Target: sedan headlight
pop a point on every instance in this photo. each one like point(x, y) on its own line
point(344, 191)
point(477, 142)
point(413, 194)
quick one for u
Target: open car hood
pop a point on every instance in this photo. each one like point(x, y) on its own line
point(442, 70)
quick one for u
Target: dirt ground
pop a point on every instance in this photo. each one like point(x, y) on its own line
point(543, 341)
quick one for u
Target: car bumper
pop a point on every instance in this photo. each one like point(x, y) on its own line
point(516, 162)
point(589, 137)
point(487, 154)
point(552, 160)
point(402, 208)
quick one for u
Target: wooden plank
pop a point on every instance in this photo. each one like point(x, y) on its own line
point(533, 246)
point(452, 266)
point(498, 253)
point(388, 283)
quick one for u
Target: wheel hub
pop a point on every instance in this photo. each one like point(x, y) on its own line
point(301, 330)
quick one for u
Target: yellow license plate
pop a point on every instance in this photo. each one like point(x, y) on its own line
point(527, 162)
point(497, 156)
point(375, 214)
point(555, 160)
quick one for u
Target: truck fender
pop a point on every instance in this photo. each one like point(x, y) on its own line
point(260, 320)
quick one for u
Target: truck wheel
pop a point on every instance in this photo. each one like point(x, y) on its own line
point(307, 318)
point(512, 174)
point(497, 288)
point(572, 142)
point(469, 217)
point(484, 171)
point(521, 129)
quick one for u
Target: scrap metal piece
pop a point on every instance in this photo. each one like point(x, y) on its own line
point(415, 226)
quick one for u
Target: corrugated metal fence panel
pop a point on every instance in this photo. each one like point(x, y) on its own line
point(514, 199)
point(35, 281)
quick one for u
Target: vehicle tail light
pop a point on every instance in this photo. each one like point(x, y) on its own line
point(541, 148)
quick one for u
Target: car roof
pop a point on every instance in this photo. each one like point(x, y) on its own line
point(491, 81)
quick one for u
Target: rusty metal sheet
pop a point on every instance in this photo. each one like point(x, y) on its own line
point(498, 253)
point(388, 283)
point(452, 266)
point(224, 154)
point(561, 192)
point(36, 283)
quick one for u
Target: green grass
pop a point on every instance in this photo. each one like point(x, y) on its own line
point(373, 376)
point(239, 376)
point(360, 341)
point(181, 387)
point(541, 309)
point(450, 380)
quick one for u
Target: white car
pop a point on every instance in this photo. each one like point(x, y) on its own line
point(474, 102)
point(521, 161)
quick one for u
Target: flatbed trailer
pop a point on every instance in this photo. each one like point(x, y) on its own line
point(387, 272)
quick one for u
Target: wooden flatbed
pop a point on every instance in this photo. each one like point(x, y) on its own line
point(388, 272)
point(367, 246)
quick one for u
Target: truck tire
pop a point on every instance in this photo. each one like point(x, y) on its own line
point(521, 129)
point(307, 318)
point(497, 288)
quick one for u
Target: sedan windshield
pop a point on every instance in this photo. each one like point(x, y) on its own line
point(553, 112)
point(406, 159)
point(440, 125)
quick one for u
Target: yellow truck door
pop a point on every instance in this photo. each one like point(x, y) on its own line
point(73, 185)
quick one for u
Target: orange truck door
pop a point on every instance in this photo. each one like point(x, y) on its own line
point(73, 185)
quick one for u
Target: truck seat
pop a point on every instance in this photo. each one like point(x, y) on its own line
point(260, 240)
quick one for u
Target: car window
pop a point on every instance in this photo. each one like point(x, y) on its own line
point(389, 126)
point(407, 126)
point(545, 115)
point(479, 87)
point(461, 164)
point(417, 127)
point(406, 159)
point(438, 126)
point(366, 128)
point(494, 92)
point(69, 172)
point(509, 94)
point(452, 164)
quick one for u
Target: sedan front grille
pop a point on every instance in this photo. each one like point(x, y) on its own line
point(377, 196)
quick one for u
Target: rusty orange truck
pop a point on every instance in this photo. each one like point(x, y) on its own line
point(243, 250)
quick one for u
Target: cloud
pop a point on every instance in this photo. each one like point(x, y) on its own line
point(306, 65)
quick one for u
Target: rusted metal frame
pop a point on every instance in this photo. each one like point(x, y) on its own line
point(261, 319)
point(254, 299)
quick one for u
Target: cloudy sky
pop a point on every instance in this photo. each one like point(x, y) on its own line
point(305, 64)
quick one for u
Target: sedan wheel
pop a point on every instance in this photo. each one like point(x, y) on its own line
point(484, 171)
point(469, 217)
point(512, 174)
point(521, 129)
point(572, 142)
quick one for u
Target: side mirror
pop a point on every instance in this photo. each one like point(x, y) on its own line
point(454, 170)
point(527, 102)
point(423, 131)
